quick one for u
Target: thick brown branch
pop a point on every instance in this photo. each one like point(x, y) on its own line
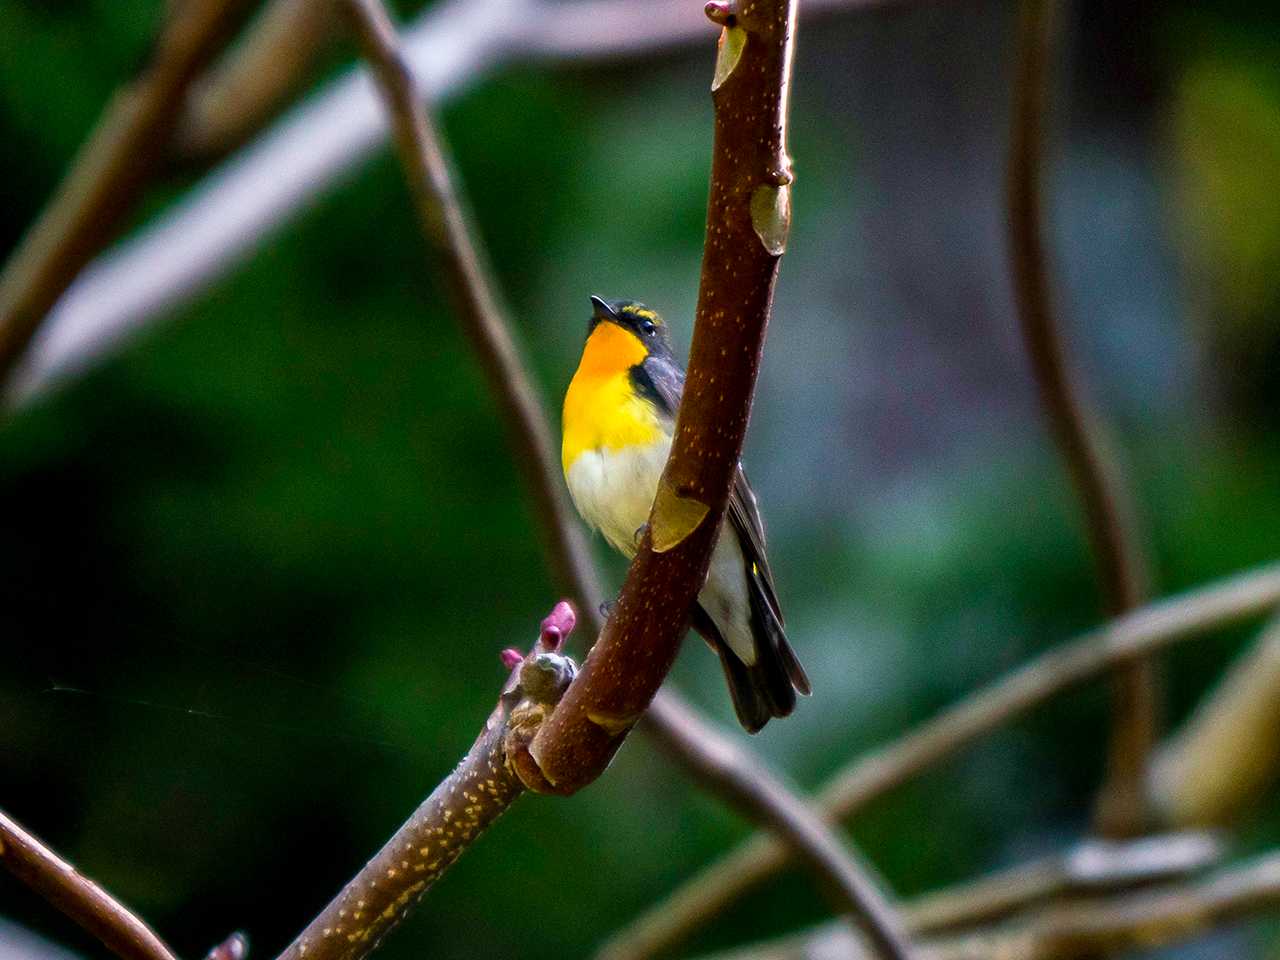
point(1103, 493)
point(1133, 921)
point(110, 172)
point(458, 811)
point(1143, 632)
point(1228, 752)
point(750, 177)
point(712, 759)
point(117, 927)
point(237, 96)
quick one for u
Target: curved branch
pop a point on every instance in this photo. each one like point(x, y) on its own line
point(1079, 434)
point(106, 918)
point(1143, 632)
point(711, 758)
point(110, 173)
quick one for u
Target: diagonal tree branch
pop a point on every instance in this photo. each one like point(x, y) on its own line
point(1079, 434)
point(463, 806)
point(239, 94)
point(441, 211)
point(1142, 632)
point(753, 789)
point(1139, 920)
point(1228, 752)
point(106, 918)
point(217, 225)
point(710, 757)
point(111, 171)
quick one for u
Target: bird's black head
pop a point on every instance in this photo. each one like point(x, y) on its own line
point(632, 315)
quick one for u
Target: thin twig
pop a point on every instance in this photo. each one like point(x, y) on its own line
point(239, 94)
point(1140, 920)
point(1143, 632)
point(1092, 867)
point(102, 915)
point(712, 759)
point(1228, 752)
point(463, 806)
point(111, 171)
point(1080, 436)
point(440, 208)
point(785, 815)
point(217, 225)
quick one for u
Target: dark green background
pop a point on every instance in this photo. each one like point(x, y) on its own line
point(256, 571)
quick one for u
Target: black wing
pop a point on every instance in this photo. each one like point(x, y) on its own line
point(661, 381)
point(768, 687)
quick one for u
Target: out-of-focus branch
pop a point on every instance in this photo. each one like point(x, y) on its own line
point(459, 810)
point(1229, 750)
point(1092, 867)
point(109, 174)
point(238, 95)
point(441, 209)
point(1132, 921)
point(1143, 632)
point(99, 913)
point(219, 223)
point(786, 816)
point(1099, 482)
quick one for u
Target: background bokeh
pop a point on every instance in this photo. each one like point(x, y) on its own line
point(255, 572)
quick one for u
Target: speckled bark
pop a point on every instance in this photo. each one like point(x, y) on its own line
point(477, 793)
point(639, 643)
point(463, 806)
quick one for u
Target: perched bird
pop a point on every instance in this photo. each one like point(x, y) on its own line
point(619, 416)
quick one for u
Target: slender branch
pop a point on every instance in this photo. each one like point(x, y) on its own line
point(238, 206)
point(1143, 632)
point(441, 209)
point(1133, 921)
point(111, 171)
point(238, 95)
point(1099, 482)
point(1092, 867)
point(814, 842)
point(1228, 752)
point(106, 918)
point(458, 811)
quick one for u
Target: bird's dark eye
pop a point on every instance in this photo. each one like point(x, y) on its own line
point(647, 327)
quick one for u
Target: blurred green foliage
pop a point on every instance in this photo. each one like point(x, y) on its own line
point(255, 572)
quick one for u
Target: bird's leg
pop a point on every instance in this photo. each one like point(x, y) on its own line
point(641, 530)
point(606, 607)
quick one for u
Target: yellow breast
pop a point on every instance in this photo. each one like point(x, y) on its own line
point(602, 410)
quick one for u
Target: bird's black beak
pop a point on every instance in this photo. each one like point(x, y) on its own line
point(601, 310)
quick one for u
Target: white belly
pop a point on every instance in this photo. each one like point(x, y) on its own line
point(614, 491)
